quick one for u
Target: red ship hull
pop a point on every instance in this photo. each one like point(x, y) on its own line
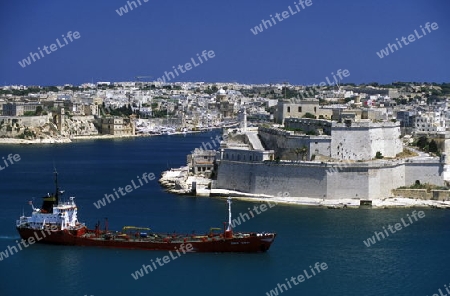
point(248, 242)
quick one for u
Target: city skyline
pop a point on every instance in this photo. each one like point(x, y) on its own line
point(300, 42)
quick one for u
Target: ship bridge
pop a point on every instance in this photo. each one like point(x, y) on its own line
point(64, 216)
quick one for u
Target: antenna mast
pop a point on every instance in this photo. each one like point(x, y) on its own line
point(56, 187)
point(229, 214)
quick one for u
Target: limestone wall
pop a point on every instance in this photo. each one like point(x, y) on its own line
point(29, 121)
point(385, 178)
point(425, 172)
point(284, 143)
point(236, 176)
point(361, 140)
point(368, 180)
point(304, 180)
point(442, 195)
point(319, 126)
point(271, 178)
point(348, 182)
point(413, 193)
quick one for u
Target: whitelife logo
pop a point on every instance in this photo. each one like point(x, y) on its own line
point(281, 16)
point(11, 250)
point(411, 38)
point(12, 160)
point(124, 9)
point(128, 188)
point(166, 259)
point(280, 288)
point(316, 88)
point(53, 47)
point(187, 66)
point(245, 217)
point(398, 226)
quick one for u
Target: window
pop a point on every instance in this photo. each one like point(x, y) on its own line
point(300, 109)
point(315, 109)
point(288, 109)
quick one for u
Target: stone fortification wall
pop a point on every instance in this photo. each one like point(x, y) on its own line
point(305, 180)
point(284, 142)
point(364, 180)
point(362, 140)
point(272, 178)
point(27, 127)
point(245, 155)
point(29, 121)
point(319, 126)
point(413, 193)
point(443, 195)
point(425, 172)
point(368, 180)
point(235, 175)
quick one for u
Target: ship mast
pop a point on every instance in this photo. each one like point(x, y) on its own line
point(229, 232)
point(56, 188)
point(229, 214)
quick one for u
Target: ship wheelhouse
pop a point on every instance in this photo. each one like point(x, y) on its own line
point(52, 214)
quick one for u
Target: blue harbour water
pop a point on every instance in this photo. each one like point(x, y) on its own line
point(413, 261)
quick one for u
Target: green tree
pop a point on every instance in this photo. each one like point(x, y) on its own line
point(309, 115)
point(378, 155)
point(422, 142)
point(301, 151)
point(39, 110)
point(432, 147)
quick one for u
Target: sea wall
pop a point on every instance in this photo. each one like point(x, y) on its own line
point(369, 180)
point(271, 178)
point(441, 195)
point(413, 193)
point(424, 171)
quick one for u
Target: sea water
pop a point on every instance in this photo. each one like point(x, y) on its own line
point(412, 261)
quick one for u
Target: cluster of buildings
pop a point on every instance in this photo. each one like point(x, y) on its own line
point(340, 142)
point(352, 149)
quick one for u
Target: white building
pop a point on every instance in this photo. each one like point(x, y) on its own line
point(430, 122)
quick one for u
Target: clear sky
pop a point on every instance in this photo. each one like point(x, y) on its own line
point(304, 48)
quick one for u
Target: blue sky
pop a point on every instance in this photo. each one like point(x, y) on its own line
point(150, 39)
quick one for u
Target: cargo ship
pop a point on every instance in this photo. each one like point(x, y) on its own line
point(56, 222)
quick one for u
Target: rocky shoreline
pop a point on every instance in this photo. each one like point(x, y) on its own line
point(35, 141)
point(52, 140)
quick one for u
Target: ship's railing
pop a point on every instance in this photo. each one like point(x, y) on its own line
point(67, 203)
